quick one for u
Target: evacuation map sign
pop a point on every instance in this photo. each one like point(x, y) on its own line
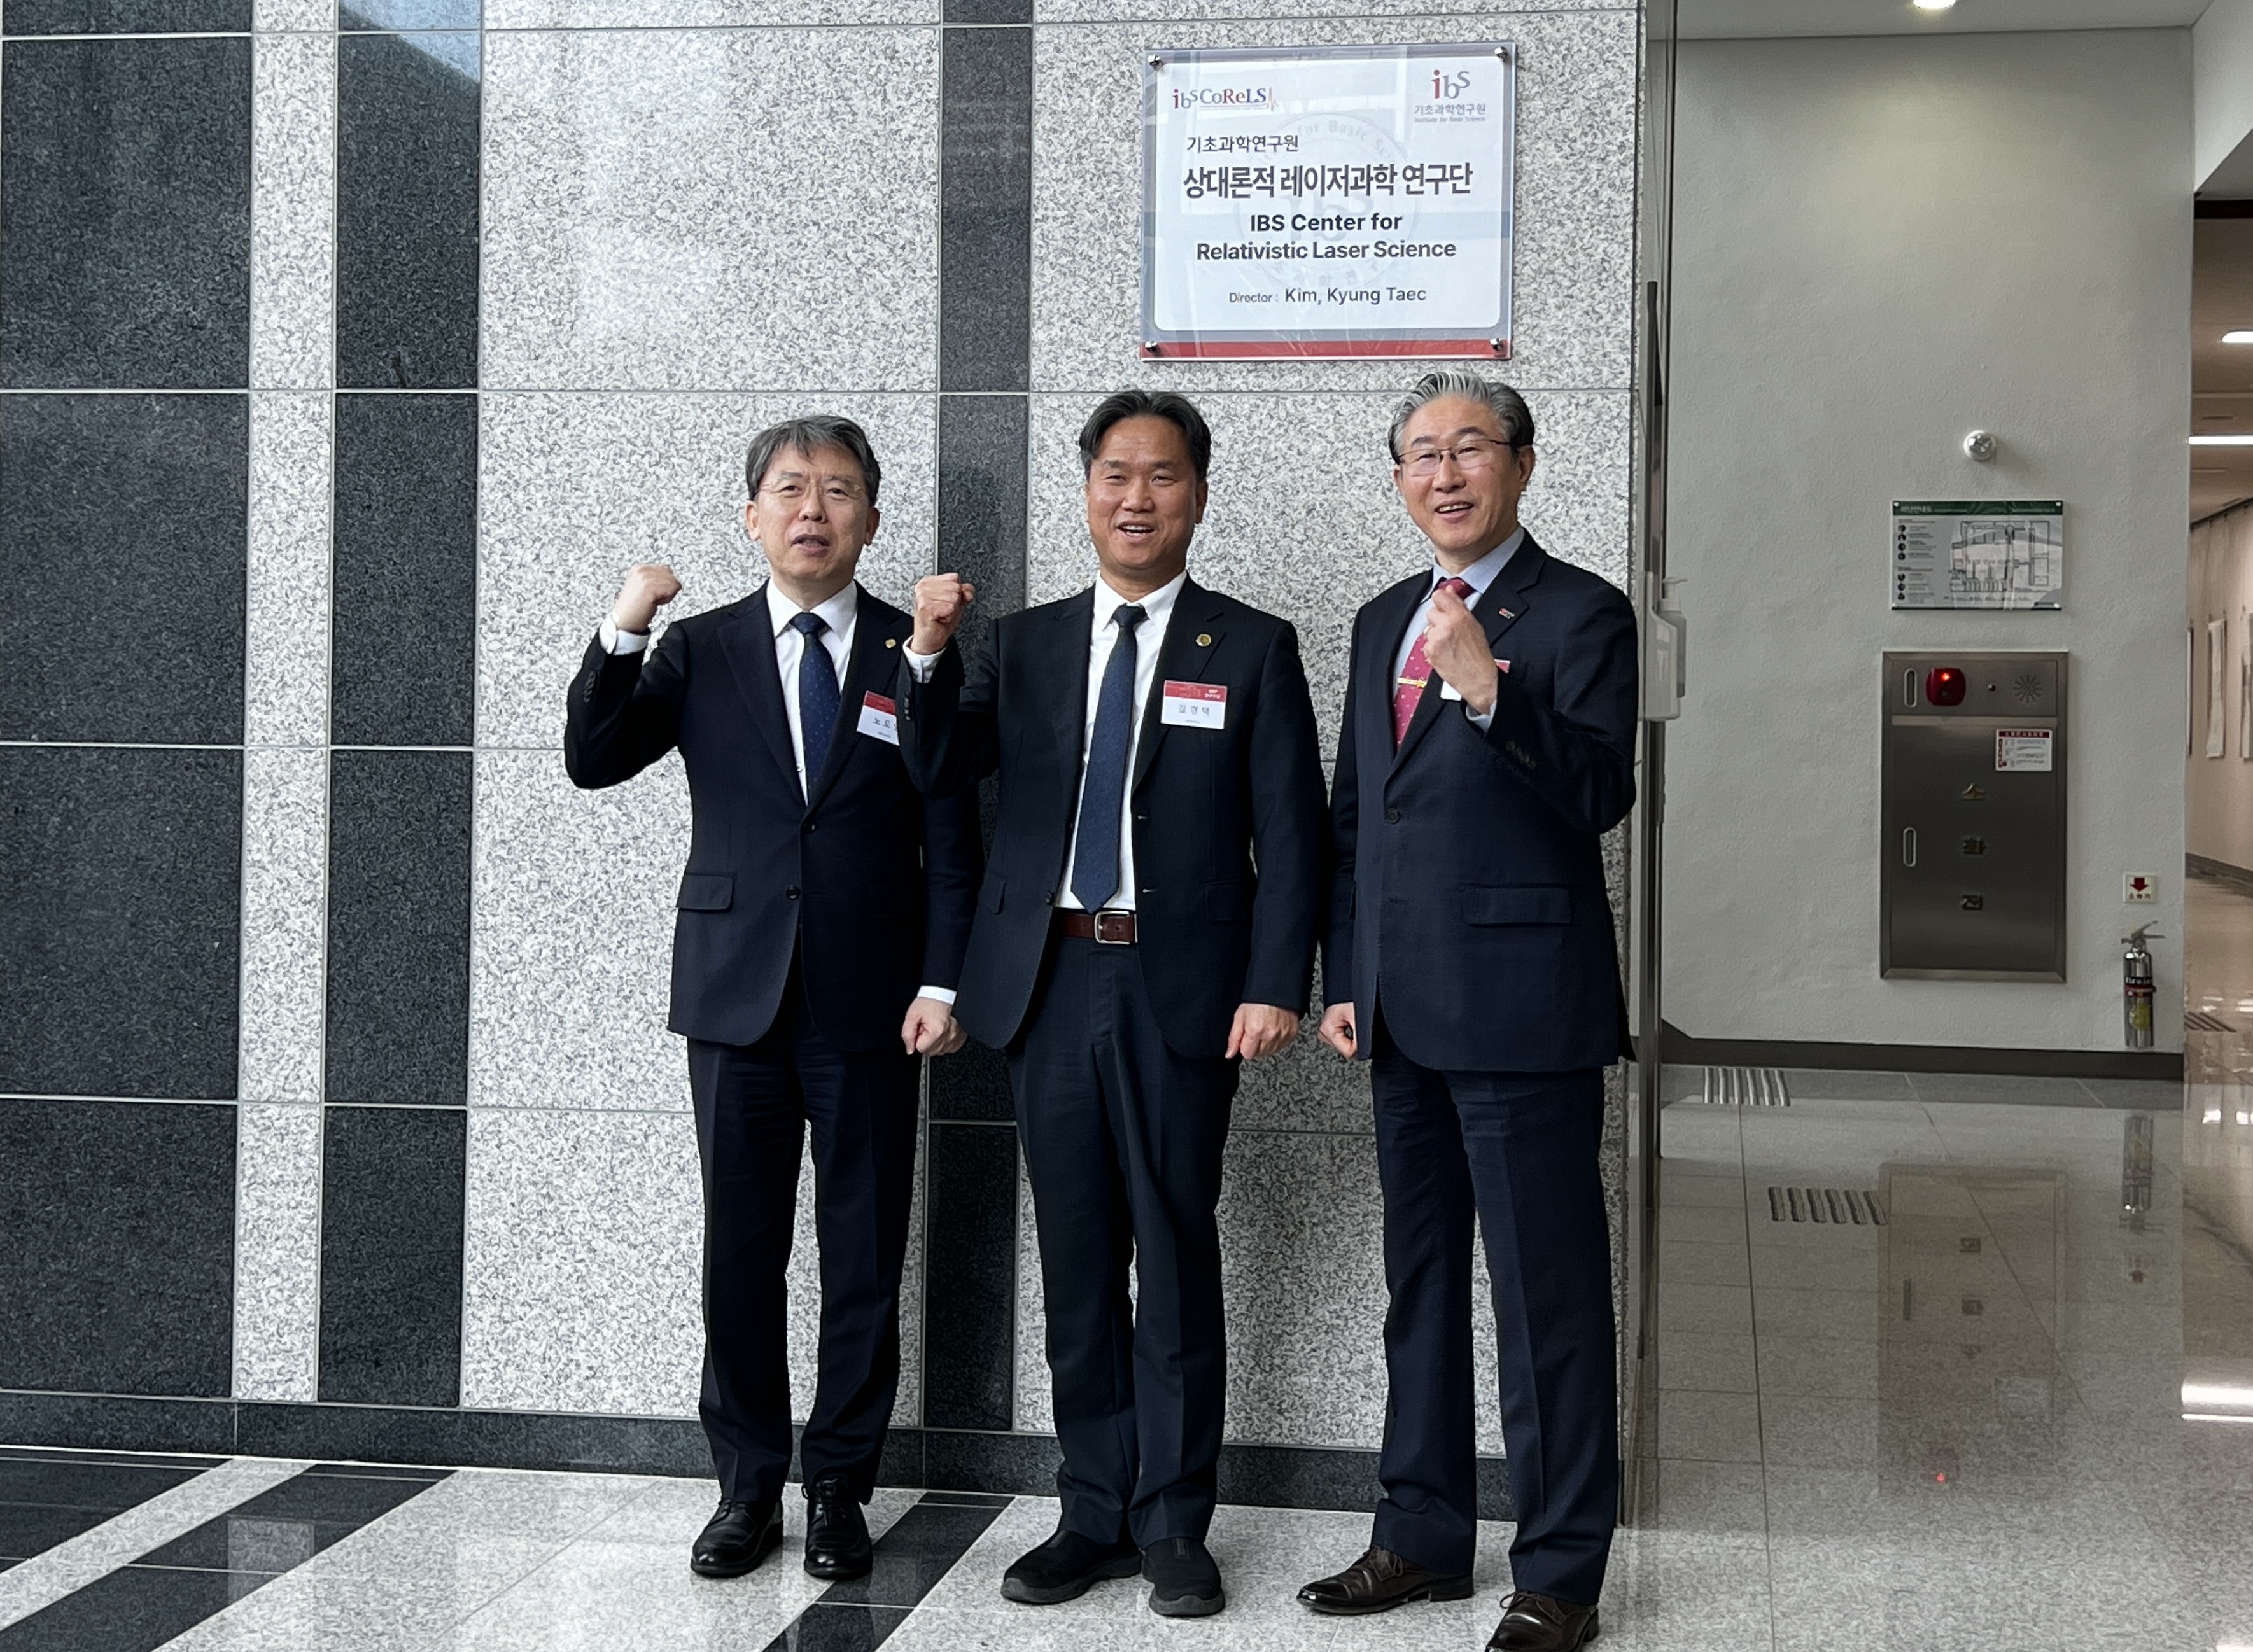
point(1327, 201)
point(1994, 554)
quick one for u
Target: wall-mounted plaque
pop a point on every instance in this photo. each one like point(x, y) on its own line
point(1327, 201)
point(1991, 554)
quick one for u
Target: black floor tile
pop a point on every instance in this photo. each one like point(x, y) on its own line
point(132, 1609)
point(99, 1487)
point(30, 1528)
point(391, 1255)
point(121, 891)
point(921, 1547)
point(287, 1524)
point(160, 658)
point(125, 214)
point(117, 1228)
point(830, 1628)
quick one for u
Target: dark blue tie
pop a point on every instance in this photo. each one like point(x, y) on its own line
point(1095, 855)
point(817, 694)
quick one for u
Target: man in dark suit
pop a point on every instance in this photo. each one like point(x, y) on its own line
point(822, 921)
point(1147, 921)
point(1488, 745)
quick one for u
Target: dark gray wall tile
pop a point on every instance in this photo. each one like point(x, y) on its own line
point(989, 10)
point(412, 14)
point(125, 214)
point(407, 213)
point(121, 889)
point(399, 927)
point(986, 209)
point(117, 1225)
point(391, 1255)
point(970, 1297)
point(131, 511)
point(124, 16)
point(403, 651)
point(982, 502)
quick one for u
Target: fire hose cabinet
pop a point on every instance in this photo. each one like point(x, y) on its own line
point(1973, 852)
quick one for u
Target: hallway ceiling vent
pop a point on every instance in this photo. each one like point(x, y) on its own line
point(1842, 1207)
point(1745, 1087)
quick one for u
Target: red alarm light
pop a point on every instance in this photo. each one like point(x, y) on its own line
point(1943, 685)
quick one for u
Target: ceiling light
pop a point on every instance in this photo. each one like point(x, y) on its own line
point(2216, 1394)
point(2241, 336)
point(2222, 441)
point(1934, 5)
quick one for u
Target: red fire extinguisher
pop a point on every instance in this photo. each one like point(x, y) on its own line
point(2136, 985)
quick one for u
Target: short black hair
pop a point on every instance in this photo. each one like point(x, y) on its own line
point(1121, 405)
point(808, 435)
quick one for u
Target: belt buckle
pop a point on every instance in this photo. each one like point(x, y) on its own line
point(1111, 919)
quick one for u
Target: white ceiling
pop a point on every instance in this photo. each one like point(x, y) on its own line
point(1756, 20)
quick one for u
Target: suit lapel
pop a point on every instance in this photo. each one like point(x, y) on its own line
point(1072, 640)
point(861, 666)
point(747, 639)
point(1193, 639)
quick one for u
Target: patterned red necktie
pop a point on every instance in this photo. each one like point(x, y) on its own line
point(1416, 673)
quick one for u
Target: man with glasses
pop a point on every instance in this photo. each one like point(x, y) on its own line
point(820, 931)
point(1488, 744)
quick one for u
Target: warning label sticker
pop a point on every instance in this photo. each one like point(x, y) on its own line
point(2023, 750)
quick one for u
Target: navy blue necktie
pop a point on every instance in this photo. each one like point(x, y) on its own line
point(1095, 855)
point(817, 694)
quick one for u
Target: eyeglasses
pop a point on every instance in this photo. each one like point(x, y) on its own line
point(1477, 454)
point(790, 491)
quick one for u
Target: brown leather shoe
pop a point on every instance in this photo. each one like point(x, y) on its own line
point(1542, 1623)
point(1379, 1581)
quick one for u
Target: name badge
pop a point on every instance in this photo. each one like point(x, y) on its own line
point(881, 718)
point(1194, 705)
point(1448, 689)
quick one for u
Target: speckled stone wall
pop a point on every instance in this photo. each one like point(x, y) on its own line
point(480, 305)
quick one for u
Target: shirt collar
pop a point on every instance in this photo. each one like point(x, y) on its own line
point(1155, 607)
point(837, 613)
point(1483, 573)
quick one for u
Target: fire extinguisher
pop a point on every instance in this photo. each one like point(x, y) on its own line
point(2136, 985)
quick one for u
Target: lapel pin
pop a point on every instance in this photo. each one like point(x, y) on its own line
point(891, 642)
point(1204, 640)
point(1505, 612)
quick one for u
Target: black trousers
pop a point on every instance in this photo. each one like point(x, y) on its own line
point(1520, 1150)
point(754, 1102)
point(1123, 1141)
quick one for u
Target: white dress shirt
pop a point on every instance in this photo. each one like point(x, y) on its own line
point(840, 613)
point(1103, 636)
point(1478, 576)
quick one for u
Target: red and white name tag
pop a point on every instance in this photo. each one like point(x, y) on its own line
point(1448, 689)
point(880, 718)
point(1194, 705)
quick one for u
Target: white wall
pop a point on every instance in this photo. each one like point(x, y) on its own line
point(1880, 244)
point(2219, 798)
point(2221, 57)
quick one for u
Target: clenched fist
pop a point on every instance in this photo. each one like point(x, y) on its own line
point(940, 603)
point(649, 586)
point(1455, 645)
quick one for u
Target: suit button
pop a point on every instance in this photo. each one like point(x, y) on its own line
point(792, 891)
point(1392, 817)
point(809, 825)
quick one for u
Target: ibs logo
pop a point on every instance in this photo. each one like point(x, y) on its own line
point(1448, 87)
point(1217, 97)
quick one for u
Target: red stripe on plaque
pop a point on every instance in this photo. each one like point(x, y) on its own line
point(1258, 350)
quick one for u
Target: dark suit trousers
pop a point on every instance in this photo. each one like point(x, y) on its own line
point(1123, 1140)
point(754, 1102)
point(1520, 1149)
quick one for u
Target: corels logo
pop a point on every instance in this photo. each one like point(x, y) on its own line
point(1447, 87)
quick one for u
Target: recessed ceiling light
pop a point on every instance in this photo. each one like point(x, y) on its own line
point(2240, 335)
point(1935, 6)
point(2222, 441)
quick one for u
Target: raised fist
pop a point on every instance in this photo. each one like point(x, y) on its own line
point(940, 602)
point(649, 586)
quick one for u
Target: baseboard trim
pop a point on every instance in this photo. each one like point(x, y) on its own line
point(1681, 1050)
point(2236, 878)
point(932, 1459)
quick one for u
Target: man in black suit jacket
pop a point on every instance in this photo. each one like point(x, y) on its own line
point(1146, 920)
point(822, 921)
point(1488, 745)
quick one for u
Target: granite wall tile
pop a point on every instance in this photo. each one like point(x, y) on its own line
point(162, 659)
point(409, 14)
point(408, 120)
point(399, 927)
point(277, 1253)
point(117, 1219)
point(276, 16)
point(125, 214)
point(293, 215)
point(982, 502)
point(285, 803)
point(626, 248)
point(577, 488)
point(977, 11)
point(125, 17)
point(984, 245)
point(121, 897)
point(286, 654)
point(702, 14)
point(572, 953)
point(968, 1295)
point(1573, 277)
point(391, 1255)
point(402, 641)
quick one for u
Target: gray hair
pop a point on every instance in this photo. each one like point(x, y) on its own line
point(1510, 410)
point(808, 435)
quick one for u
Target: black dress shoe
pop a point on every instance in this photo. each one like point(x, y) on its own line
point(1184, 1582)
point(1065, 1567)
point(836, 1534)
point(1379, 1581)
point(738, 1536)
point(1542, 1623)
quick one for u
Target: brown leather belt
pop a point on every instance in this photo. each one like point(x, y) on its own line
point(1112, 929)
